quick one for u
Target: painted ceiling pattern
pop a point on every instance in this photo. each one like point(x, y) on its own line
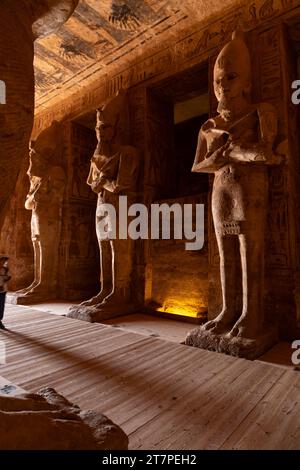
point(96, 30)
point(105, 35)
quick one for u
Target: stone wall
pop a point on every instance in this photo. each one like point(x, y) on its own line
point(264, 21)
point(15, 239)
point(79, 251)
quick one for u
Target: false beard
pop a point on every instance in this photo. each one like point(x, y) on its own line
point(224, 109)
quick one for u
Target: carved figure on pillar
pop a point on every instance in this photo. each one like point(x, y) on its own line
point(45, 199)
point(237, 146)
point(113, 173)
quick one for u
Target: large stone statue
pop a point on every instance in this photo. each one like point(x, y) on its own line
point(47, 421)
point(45, 199)
point(237, 146)
point(113, 173)
point(21, 22)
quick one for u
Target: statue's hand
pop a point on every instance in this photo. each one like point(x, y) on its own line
point(220, 153)
point(212, 161)
point(98, 184)
point(30, 203)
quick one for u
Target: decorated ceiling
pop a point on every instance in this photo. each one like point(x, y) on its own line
point(98, 32)
point(106, 34)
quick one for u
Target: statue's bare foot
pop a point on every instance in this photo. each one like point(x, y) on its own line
point(115, 298)
point(38, 289)
point(244, 328)
point(94, 300)
point(84, 312)
point(221, 323)
point(84, 309)
point(26, 289)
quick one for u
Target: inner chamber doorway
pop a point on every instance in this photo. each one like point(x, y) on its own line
point(176, 279)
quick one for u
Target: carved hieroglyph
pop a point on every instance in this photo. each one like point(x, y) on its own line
point(20, 22)
point(237, 146)
point(45, 199)
point(113, 172)
point(47, 421)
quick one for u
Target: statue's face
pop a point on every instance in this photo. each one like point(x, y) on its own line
point(230, 82)
point(35, 163)
point(104, 131)
point(33, 159)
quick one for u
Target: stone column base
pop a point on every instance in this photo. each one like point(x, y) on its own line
point(233, 345)
point(16, 298)
point(98, 313)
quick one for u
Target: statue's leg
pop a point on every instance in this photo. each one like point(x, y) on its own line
point(37, 268)
point(106, 271)
point(122, 267)
point(46, 261)
point(249, 325)
point(227, 252)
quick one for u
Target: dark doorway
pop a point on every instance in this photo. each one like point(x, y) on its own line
point(187, 96)
point(177, 279)
point(186, 137)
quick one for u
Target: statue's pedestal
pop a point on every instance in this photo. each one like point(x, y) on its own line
point(16, 298)
point(233, 345)
point(98, 313)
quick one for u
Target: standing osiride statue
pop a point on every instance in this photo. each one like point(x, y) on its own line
point(113, 173)
point(237, 146)
point(45, 199)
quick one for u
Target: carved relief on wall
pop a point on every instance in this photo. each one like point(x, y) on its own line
point(15, 239)
point(80, 171)
point(201, 42)
point(80, 264)
point(191, 47)
point(82, 144)
point(81, 243)
point(159, 145)
point(137, 110)
point(269, 66)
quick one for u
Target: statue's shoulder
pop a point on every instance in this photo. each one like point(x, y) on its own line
point(266, 108)
point(130, 153)
point(268, 119)
point(211, 123)
point(129, 150)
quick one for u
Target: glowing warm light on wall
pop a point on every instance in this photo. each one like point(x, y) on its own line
point(183, 308)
